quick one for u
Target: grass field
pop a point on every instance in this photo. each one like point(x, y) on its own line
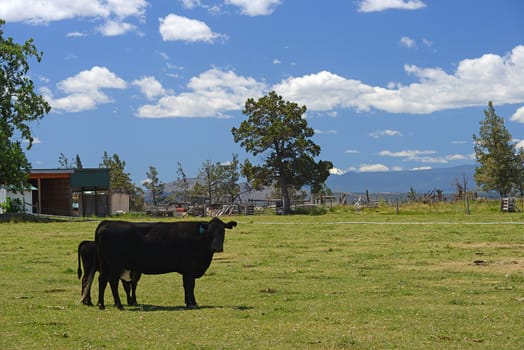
point(428, 278)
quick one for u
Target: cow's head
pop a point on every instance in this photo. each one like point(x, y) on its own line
point(216, 229)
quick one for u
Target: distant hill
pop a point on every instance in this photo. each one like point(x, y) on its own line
point(401, 181)
point(422, 181)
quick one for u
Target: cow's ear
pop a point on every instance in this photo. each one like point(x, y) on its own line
point(231, 224)
point(202, 229)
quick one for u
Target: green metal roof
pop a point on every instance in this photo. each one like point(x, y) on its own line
point(90, 179)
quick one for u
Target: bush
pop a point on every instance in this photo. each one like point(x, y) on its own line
point(12, 206)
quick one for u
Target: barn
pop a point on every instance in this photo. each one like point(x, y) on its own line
point(74, 192)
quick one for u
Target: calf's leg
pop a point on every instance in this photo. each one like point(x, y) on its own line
point(87, 281)
point(90, 267)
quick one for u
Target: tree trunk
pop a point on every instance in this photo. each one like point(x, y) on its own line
point(286, 202)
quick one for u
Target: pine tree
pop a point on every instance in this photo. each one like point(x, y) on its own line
point(495, 153)
point(277, 132)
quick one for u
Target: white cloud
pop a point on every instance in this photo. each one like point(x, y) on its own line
point(36, 141)
point(45, 11)
point(423, 156)
point(336, 171)
point(518, 116)
point(381, 5)
point(178, 28)
point(211, 94)
point(366, 168)
point(114, 28)
point(125, 8)
point(475, 81)
point(351, 151)
point(387, 132)
point(405, 154)
point(214, 10)
point(255, 7)
point(324, 132)
point(84, 90)
point(407, 42)
point(421, 168)
point(427, 42)
point(323, 91)
point(75, 35)
point(276, 61)
point(488, 78)
point(455, 157)
point(189, 4)
point(150, 87)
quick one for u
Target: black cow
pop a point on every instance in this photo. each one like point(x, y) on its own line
point(156, 248)
point(87, 254)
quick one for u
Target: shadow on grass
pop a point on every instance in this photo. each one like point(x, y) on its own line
point(150, 308)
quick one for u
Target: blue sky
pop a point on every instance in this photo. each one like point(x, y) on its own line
point(389, 84)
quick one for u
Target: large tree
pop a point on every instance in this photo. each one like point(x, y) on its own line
point(19, 106)
point(495, 152)
point(277, 132)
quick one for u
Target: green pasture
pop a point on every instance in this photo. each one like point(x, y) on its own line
point(346, 279)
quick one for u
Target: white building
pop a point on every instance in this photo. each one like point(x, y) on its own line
point(25, 198)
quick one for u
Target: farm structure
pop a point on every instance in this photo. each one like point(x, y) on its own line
point(74, 192)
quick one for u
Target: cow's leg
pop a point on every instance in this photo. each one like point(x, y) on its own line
point(133, 293)
point(113, 283)
point(135, 277)
point(127, 289)
point(102, 284)
point(189, 291)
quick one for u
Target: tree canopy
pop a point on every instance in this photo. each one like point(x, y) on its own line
point(19, 106)
point(154, 185)
point(120, 179)
point(65, 163)
point(277, 132)
point(219, 181)
point(496, 154)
